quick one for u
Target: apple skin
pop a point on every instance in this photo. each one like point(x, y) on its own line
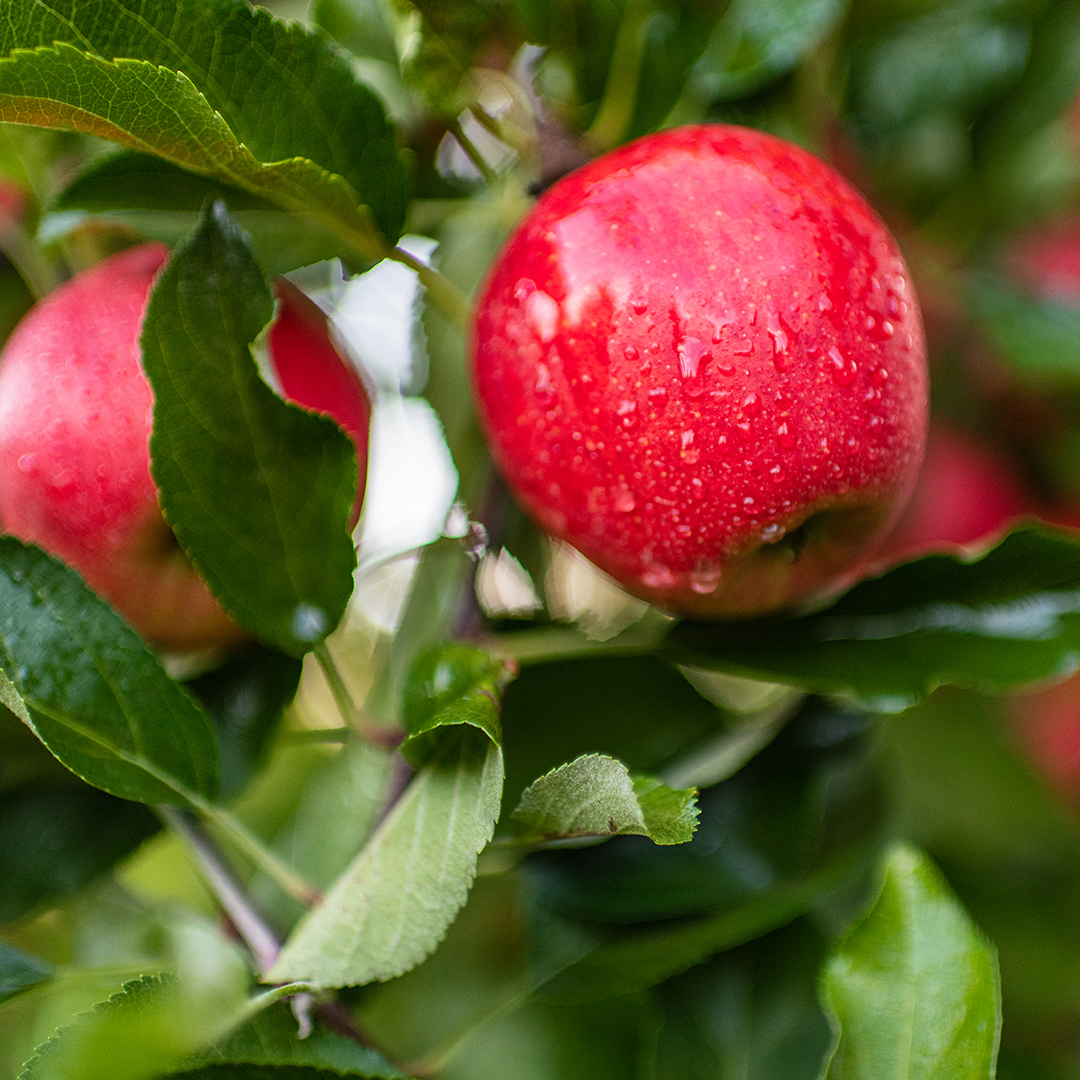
point(699, 360)
point(967, 493)
point(75, 416)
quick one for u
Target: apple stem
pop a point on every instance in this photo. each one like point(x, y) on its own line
point(453, 302)
point(620, 93)
point(351, 713)
point(220, 878)
point(473, 153)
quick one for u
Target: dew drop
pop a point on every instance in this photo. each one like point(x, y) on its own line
point(752, 405)
point(777, 474)
point(770, 534)
point(749, 502)
point(751, 314)
point(697, 489)
point(824, 303)
point(691, 354)
point(623, 501)
point(785, 436)
point(657, 576)
point(743, 347)
point(683, 530)
point(627, 414)
point(523, 289)
point(630, 352)
point(705, 579)
point(720, 321)
point(543, 386)
point(881, 375)
point(639, 304)
point(27, 462)
point(843, 368)
point(654, 347)
point(659, 395)
point(309, 622)
point(725, 368)
point(779, 340)
point(543, 315)
point(691, 456)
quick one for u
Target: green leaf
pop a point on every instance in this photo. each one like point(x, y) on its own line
point(258, 491)
point(451, 685)
point(750, 1013)
point(270, 1042)
point(753, 43)
point(913, 989)
point(142, 1031)
point(596, 796)
point(808, 803)
point(361, 26)
point(87, 686)
point(393, 905)
point(1039, 338)
point(245, 698)
point(19, 971)
point(995, 622)
point(228, 92)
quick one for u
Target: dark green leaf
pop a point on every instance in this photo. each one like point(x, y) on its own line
point(258, 101)
point(995, 622)
point(392, 907)
point(914, 987)
point(57, 835)
point(748, 1014)
point(594, 795)
point(257, 490)
point(245, 698)
point(269, 1046)
point(85, 683)
point(808, 802)
point(452, 685)
point(19, 971)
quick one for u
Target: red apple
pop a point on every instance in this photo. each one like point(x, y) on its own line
point(967, 493)
point(699, 360)
point(75, 417)
point(1047, 724)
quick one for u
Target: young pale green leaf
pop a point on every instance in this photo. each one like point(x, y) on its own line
point(270, 1041)
point(226, 91)
point(257, 490)
point(596, 796)
point(995, 622)
point(142, 1031)
point(448, 686)
point(913, 989)
point(85, 683)
point(19, 971)
point(392, 907)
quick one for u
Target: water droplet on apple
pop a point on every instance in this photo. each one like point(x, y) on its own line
point(751, 314)
point(627, 414)
point(657, 576)
point(779, 340)
point(691, 456)
point(881, 375)
point(639, 304)
point(697, 489)
point(683, 530)
point(691, 354)
point(630, 352)
point(27, 462)
point(772, 533)
point(785, 436)
point(719, 321)
point(659, 396)
point(842, 368)
point(543, 387)
point(743, 346)
point(309, 622)
point(749, 502)
point(623, 501)
point(543, 315)
point(752, 405)
point(725, 368)
point(523, 289)
point(705, 579)
point(824, 303)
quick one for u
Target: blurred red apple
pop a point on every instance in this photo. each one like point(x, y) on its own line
point(75, 418)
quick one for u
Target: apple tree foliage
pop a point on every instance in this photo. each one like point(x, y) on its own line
point(571, 837)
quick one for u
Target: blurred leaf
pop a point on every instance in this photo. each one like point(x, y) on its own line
point(142, 1031)
point(753, 43)
point(393, 905)
point(451, 685)
point(998, 621)
point(748, 1014)
point(56, 836)
point(274, 94)
point(360, 25)
point(19, 971)
point(914, 987)
point(596, 796)
point(257, 490)
point(1039, 338)
point(638, 709)
point(245, 698)
point(15, 299)
point(807, 803)
point(269, 1045)
point(86, 685)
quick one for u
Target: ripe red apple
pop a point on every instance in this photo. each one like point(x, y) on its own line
point(966, 493)
point(699, 360)
point(75, 417)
